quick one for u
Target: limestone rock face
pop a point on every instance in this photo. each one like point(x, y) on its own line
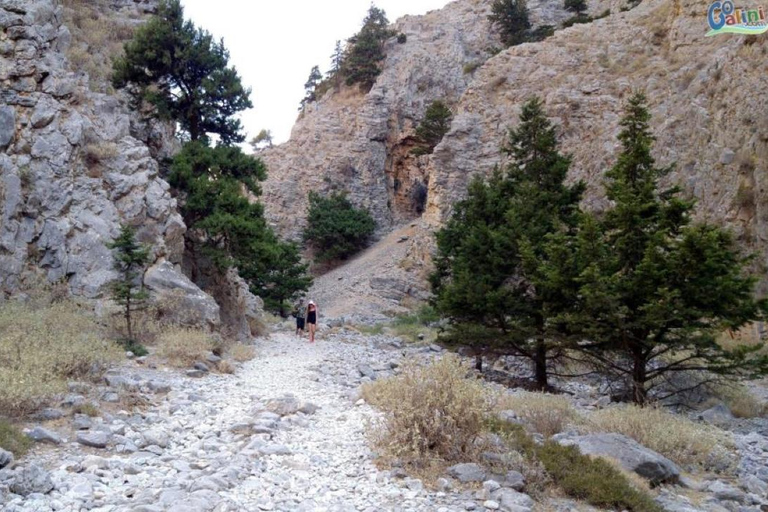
point(72, 171)
point(705, 95)
point(76, 164)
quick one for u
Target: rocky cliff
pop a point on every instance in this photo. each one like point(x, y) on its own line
point(706, 96)
point(75, 164)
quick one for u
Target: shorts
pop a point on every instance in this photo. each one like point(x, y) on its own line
point(299, 323)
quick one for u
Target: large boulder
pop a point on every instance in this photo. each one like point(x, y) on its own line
point(630, 454)
point(6, 458)
point(190, 305)
point(32, 479)
point(468, 472)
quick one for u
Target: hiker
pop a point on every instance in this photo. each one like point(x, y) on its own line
point(298, 312)
point(311, 320)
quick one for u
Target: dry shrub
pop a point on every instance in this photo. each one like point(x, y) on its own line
point(225, 366)
point(183, 346)
point(691, 444)
point(741, 401)
point(241, 352)
point(543, 413)
point(97, 39)
point(87, 409)
point(429, 413)
point(42, 346)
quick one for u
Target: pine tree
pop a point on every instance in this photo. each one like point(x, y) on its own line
point(491, 281)
point(366, 49)
point(181, 71)
point(262, 140)
point(184, 74)
point(577, 6)
point(434, 126)
point(510, 18)
point(337, 60)
point(284, 280)
point(315, 77)
point(656, 291)
point(338, 229)
point(131, 260)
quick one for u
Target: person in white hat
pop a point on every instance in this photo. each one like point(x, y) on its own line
point(311, 320)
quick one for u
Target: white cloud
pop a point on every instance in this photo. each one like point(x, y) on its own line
point(274, 44)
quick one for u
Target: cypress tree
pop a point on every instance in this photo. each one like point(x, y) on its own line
point(656, 290)
point(490, 280)
point(510, 19)
point(131, 259)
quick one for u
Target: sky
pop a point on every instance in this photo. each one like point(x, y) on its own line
point(274, 44)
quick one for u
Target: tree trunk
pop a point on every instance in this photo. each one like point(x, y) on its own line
point(540, 364)
point(128, 317)
point(639, 377)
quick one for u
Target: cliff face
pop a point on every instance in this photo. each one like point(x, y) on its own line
point(75, 164)
point(361, 143)
point(706, 97)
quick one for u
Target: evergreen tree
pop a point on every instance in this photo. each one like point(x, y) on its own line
point(577, 6)
point(656, 290)
point(434, 126)
point(338, 229)
point(510, 18)
point(285, 280)
point(366, 50)
point(315, 77)
point(184, 74)
point(337, 60)
point(492, 280)
point(262, 140)
point(131, 259)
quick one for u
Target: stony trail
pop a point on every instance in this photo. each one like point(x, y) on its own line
point(239, 443)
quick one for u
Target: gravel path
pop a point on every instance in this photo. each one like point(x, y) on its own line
point(235, 443)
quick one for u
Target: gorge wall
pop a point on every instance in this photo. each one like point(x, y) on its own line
point(707, 97)
point(76, 163)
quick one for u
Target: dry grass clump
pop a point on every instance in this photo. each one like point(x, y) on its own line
point(741, 402)
point(430, 413)
point(241, 352)
point(543, 413)
point(225, 366)
point(42, 346)
point(87, 409)
point(183, 346)
point(691, 444)
point(97, 39)
point(12, 439)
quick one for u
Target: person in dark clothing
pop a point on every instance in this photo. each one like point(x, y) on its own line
point(311, 320)
point(299, 314)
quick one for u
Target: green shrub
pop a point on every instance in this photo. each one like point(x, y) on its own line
point(593, 480)
point(13, 440)
point(576, 20)
point(402, 38)
point(42, 346)
point(470, 67)
point(434, 126)
point(335, 228)
point(430, 412)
